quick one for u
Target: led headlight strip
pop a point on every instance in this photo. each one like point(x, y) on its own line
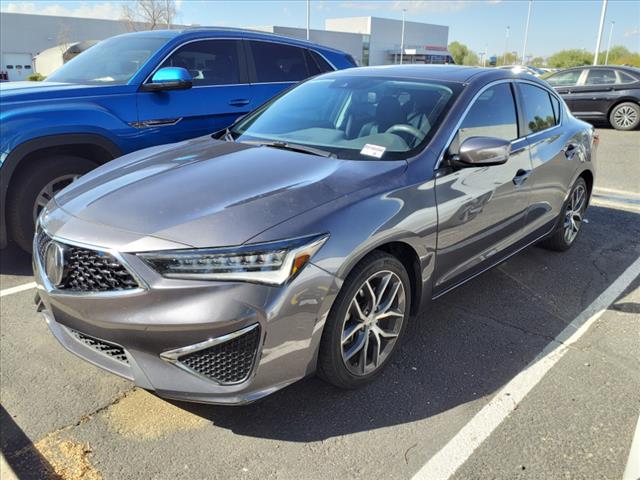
point(272, 263)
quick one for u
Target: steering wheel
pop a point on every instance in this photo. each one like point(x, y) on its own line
point(406, 128)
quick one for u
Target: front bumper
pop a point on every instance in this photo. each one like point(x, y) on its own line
point(152, 323)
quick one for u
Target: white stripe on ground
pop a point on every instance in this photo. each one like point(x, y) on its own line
point(632, 472)
point(624, 193)
point(445, 463)
point(616, 205)
point(18, 289)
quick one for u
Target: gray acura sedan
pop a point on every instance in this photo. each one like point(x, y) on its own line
point(309, 234)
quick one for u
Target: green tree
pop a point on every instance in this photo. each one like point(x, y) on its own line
point(620, 55)
point(537, 62)
point(462, 55)
point(570, 58)
point(509, 58)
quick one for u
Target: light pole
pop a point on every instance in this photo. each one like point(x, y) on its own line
point(404, 10)
point(308, 16)
point(506, 46)
point(166, 6)
point(606, 57)
point(602, 15)
point(526, 34)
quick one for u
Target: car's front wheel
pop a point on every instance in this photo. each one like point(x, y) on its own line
point(34, 187)
point(625, 116)
point(366, 322)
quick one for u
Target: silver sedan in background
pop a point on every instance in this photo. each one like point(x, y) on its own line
point(306, 237)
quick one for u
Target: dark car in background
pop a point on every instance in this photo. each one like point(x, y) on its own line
point(607, 93)
point(131, 92)
point(306, 236)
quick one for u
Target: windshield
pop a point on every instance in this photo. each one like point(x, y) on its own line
point(113, 61)
point(352, 117)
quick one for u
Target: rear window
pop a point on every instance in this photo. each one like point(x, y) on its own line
point(275, 62)
point(601, 77)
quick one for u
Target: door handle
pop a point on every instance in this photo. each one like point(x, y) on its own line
point(238, 102)
point(521, 176)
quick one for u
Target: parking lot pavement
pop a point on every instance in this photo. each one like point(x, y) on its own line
point(60, 413)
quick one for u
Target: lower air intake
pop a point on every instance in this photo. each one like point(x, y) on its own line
point(228, 362)
point(106, 348)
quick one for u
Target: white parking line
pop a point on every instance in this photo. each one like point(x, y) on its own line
point(615, 191)
point(18, 289)
point(632, 472)
point(444, 463)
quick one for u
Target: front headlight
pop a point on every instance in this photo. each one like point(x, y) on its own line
point(272, 263)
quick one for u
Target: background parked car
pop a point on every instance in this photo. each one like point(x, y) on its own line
point(601, 93)
point(531, 70)
point(135, 91)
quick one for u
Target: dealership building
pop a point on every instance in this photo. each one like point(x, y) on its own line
point(369, 40)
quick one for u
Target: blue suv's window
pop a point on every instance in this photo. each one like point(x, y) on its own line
point(210, 62)
point(276, 62)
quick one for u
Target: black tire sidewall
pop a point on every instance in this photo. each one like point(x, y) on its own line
point(625, 104)
point(28, 184)
point(330, 365)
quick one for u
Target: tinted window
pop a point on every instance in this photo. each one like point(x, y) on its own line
point(626, 78)
point(537, 107)
point(210, 62)
point(322, 64)
point(275, 62)
point(568, 78)
point(555, 103)
point(601, 77)
point(492, 115)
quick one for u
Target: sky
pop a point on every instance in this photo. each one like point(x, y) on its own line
point(480, 24)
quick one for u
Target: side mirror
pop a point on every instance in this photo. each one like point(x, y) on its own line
point(169, 78)
point(482, 152)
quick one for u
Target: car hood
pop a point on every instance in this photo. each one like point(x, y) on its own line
point(206, 193)
point(24, 91)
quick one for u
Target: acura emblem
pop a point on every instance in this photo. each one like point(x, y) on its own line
point(54, 263)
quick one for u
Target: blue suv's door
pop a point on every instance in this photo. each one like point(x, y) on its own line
point(220, 93)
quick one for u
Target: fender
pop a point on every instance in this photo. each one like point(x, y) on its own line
point(16, 155)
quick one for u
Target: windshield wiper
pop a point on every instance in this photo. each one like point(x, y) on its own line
point(294, 147)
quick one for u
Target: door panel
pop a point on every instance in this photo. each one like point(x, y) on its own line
point(595, 93)
point(220, 94)
point(482, 210)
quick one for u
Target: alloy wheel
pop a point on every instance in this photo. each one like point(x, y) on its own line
point(573, 214)
point(625, 116)
point(373, 323)
point(49, 190)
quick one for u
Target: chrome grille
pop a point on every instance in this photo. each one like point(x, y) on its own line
point(88, 270)
point(226, 363)
point(109, 349)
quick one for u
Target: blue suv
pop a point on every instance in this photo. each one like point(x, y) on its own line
point(131, 92)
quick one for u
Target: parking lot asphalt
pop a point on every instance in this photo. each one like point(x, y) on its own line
point(62, 415)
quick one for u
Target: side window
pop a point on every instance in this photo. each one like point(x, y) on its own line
point(565, 79)
point(210, 62)
point(601, 76)
point(492, 115)
point(555, 104)
point(322, 64)
point(277, 62)
point(537, 107)
point(626, 78)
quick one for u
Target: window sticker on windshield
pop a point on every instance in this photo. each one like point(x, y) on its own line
point(372, 150)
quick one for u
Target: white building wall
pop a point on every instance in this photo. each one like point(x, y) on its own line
point(361, 25)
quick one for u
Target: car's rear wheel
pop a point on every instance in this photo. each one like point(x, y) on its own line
point(366, 322)
point(570, 222)
point(34, 187)
point(625, 116)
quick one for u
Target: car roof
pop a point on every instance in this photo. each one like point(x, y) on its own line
point(627, 68)
point(207, 32)
point(449, 73)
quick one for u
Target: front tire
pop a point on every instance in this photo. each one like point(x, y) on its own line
point(570, 222)
point(366, 322)
point(34, 187)
point(625, 116)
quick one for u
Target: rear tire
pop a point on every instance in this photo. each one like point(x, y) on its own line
point(33, 186)
point(366, 325)
point(570, 222)
point(625, 116)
